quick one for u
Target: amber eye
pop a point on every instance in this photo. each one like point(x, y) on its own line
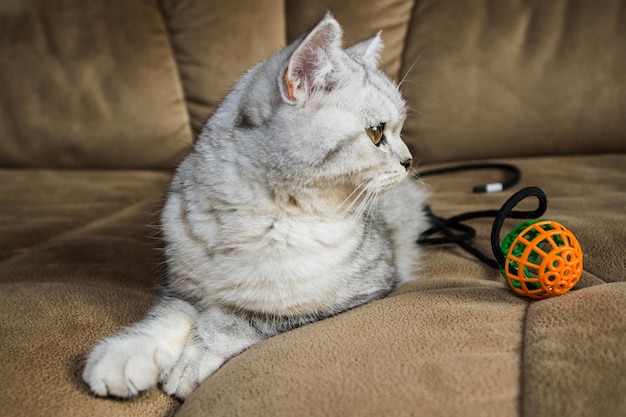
point(376, 133)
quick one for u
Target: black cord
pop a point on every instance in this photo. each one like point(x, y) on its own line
point(447, 227)
point(507, 211)
point(485, 188)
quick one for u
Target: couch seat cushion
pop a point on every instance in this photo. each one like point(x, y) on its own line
point(78, 260)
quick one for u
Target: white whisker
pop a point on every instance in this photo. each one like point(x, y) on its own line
point(354, 201)
point(372, 212)
point(414, 111)
point(415, 176)
point(345, 200)
point(410, 68)
point(361, 207)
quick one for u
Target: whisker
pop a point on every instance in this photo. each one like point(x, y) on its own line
point(414, 111)
point(358, 199)
point(362, 206)
point(349, 196)
point(411, 68)
point(354, 201)
point(371, 211)
point(415, 176)
point(368, 208)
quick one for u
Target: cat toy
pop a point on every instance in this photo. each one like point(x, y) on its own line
point(538, 258)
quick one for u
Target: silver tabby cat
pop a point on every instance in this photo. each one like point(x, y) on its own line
point(293, 206)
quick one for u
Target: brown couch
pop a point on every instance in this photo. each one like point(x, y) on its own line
point(100, 99)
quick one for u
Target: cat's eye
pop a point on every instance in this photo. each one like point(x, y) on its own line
point(375, 133)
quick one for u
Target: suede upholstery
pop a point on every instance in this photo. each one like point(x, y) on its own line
point(89, 86)
point(521, 78)
point(98, 101)
point(214, 43)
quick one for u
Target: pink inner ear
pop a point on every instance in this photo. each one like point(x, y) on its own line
point(304, 67)
point(311, 60)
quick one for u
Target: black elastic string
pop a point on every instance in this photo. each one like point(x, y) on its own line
point(454, 231)
point(515, 177)
point(445, 226)
point(507, 211)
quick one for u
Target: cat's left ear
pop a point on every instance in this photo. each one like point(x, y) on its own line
point(312, 61)
point(368, 51)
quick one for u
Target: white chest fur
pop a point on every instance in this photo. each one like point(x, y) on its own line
point(286, 265)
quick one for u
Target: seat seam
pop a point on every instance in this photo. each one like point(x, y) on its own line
point(523, 361)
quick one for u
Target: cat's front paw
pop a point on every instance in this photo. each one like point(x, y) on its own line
point(195, 365)
point(123, 366)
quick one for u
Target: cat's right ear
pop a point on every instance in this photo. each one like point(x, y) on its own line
point(311, 62)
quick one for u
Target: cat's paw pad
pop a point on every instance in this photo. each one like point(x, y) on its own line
point(123, 367)
point(194, 366)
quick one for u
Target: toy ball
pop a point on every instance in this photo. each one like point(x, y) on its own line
point(542, 259)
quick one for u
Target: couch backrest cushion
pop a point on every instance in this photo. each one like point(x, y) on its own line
point(89, 84)
point(360, 20)
point(516, 78)
point(215, 41)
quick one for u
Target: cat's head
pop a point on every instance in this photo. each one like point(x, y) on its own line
point(318, 115)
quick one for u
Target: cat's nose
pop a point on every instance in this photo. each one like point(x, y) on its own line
point(407, 163)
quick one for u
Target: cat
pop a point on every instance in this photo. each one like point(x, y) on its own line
point(294, 205)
